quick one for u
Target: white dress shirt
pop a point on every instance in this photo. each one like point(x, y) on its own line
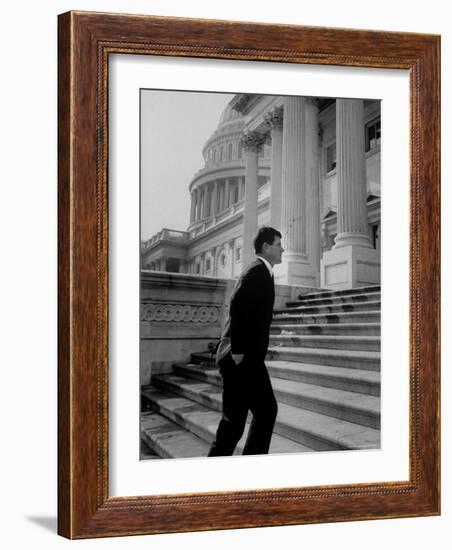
point(268, 264)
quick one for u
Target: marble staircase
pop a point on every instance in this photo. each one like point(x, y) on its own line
point(324, 364)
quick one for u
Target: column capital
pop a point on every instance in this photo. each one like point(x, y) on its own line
point(274, 118)
point(253, 141)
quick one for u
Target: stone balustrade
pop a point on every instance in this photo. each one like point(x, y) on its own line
point(166, 235)
point(179, 315)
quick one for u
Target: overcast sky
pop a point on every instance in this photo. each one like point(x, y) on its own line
point(174, 127)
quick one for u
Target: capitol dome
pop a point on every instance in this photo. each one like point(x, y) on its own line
point(217, 191)
point(229, 115)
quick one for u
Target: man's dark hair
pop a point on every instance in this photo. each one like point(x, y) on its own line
point(265, 235)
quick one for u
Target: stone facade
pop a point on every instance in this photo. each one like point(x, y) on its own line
point(307, 166)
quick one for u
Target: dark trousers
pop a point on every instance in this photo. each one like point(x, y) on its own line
point(245, 387)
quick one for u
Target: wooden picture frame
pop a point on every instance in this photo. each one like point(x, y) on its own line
point(85, 42)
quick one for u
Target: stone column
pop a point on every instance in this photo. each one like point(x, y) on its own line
point(220, 196)
point(312, 184)
point(353, 261)
point(226, 194)
point(352, 224)
point(275, 120)
point(231, 193)
point(293, 200)
point(214, 204)
point(201, 203)
point(206, 201)
point(193, 205)
point(252, 143)
point(242, 187)
point(237, 190)
point(293, 177)
point(198, 204)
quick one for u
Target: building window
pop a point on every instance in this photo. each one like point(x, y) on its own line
point(223, 260)
point(373, 135)
point(208, 264)
point(221, 154)
point(330, 158)
point(198, 269)
point(240, 152)
point(238, 254)
point(230, 151)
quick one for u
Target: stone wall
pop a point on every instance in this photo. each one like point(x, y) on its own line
point(180, 314)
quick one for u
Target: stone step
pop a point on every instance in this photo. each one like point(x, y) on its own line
point(373, 305)
point(363, 360)
point(324, 433)
point(321, 341)
point(369, 329)
point(203, 358)
point(168, 440)
point(326, 318)
point(209, 374)
point(329, 300)
point(345, 405)
point(201, 392)
point(192, 420)
point(146, 452)
point(354, 380)
point(309, 429)
point(323, 293)
point(354, 407)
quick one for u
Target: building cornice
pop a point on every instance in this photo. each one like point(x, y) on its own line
point(220, 171)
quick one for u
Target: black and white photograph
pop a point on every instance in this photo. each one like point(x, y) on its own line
point(225, 232)
point(260, 274)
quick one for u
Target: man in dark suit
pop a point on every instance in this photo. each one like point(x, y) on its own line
point(241, 353)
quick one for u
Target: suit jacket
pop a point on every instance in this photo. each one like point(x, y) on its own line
point(250, 314)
